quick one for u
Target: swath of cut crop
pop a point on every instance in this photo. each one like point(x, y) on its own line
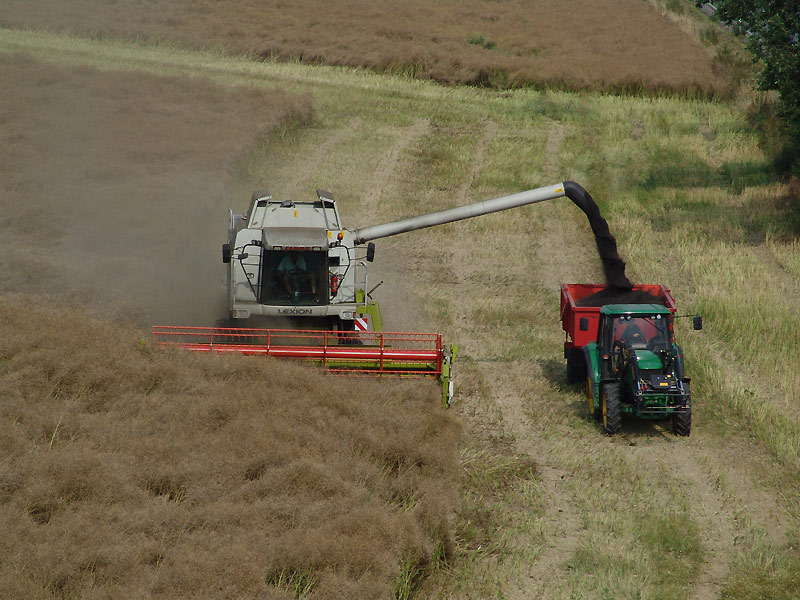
point(113, 186)
point(129, 472)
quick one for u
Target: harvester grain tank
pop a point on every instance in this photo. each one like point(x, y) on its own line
point(624, 349)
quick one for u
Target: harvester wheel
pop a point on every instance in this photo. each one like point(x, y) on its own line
point(682, 421)
point(610, 407)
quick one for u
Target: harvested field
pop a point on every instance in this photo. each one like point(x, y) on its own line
point(114, 185)
point(584, 44)
point(130, 473)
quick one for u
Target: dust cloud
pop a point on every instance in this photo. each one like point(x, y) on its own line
point(114, 186)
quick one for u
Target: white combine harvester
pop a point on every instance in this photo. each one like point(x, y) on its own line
point(294, 260)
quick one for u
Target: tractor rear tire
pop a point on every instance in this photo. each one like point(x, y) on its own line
point(611, 408)
point(682, 421)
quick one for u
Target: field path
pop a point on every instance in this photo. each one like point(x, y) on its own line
point(383, 178)
point(713, 515)
point(307, 169)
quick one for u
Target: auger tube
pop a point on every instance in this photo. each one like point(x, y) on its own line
point(475, 209)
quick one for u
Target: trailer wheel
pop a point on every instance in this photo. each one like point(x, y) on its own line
point(682, 421)
point(610, 407)
point(576, 366)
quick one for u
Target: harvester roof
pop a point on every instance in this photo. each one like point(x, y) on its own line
point(299, 237)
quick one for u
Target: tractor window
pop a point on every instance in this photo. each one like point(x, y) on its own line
point(295, 278)
point(642, 332)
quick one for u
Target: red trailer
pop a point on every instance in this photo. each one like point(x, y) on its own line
point(580, 317)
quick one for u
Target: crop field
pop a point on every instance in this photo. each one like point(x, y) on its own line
point(128, 472)
point(587, 44)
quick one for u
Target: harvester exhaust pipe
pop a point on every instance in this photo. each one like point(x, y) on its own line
point(613, 265)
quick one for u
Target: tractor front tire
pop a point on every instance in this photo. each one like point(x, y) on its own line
point(610, 407)
point(682, 421)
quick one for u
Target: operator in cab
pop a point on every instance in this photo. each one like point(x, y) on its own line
point(293, 271)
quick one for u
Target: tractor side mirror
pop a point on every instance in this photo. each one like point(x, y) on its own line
point(583, 324)
point(370, 252)
point(698, 323)
point(226, 253)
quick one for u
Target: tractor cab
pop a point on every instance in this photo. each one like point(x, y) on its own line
point(636, 330)
point(636, 338)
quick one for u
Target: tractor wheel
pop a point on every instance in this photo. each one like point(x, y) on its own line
point(682, 421)
point(610, 407)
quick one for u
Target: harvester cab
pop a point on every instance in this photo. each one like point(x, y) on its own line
point(294, 259)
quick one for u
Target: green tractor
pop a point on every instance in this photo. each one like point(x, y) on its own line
point(629, 359)
point(636, 367)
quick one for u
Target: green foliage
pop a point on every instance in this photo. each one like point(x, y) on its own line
point(478, 39)
point(773, 29)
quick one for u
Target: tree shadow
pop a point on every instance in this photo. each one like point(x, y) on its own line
point(676, 168)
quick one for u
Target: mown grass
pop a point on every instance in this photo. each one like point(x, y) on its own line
point(688, 194)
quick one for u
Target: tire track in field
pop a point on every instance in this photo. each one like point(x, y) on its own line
point(386, 172)
point(559, 523)
point(555, 137)
point(710, 512)
point(392, 265)
point(566, 250)
point(479, 160)
point(305, 170)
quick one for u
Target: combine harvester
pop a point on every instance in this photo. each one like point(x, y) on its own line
point(295, 262)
